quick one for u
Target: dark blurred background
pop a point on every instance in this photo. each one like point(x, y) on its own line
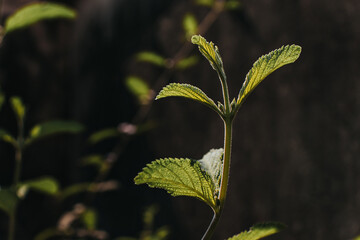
point(296, 139)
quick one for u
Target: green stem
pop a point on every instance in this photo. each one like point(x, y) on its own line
point(225, 90)
point(224, 180)
point(17, 174)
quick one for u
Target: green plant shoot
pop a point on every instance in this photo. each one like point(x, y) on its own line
point(207, 178)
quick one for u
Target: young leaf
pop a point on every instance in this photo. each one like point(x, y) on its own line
point(209, 51)
point(259, 231)
point(6, 137)
point(187, 91)
point(18, 108)
point(8, 201)
point(151, 57)
point(212, 164)
point(53, 127)
point(179, 177)
point(265, 65)
point(138, 88)
point(33, 13)
point(190, 25)
point(46, 185)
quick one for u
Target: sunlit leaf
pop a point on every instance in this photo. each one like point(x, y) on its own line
point(8, 201)
point(35, 12)
point(103, 135)
point(46, 185)
point(179, 177)
point(190, 25)
point(209, 51)
point(139, 88)
point(18, 108)
point(187, 62)
point(265, 65)
point(53, 127)
point(186, 91)
point(89, 218)
point(212, 164)
point(259, 231)
point(151, 57)
point(6, 137)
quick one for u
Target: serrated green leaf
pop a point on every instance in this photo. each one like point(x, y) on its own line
point(179, 177)
point(187, 62)
point(46, 185)
point(139, 88)
point(18, 108)
point(265, 65)
point(209, 51)
point(36, 12)
point(212, 164)
point(6, 137)
point(53, 127)
point(259, 231)
point(8, 201)
point(187, 91)
point(190, 25)
point(151, 57)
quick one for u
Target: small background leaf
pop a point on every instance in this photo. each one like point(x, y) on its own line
point(18, 108)
point(207, 3)
point(36, 12)
point(151, 57)
point(8, 201)
point(265, 65)
point(190, 25)
point(187, 62)
point(89, 218)
point(179, 177)
point(139, 88)
point(103, 135)
point(54, 127)
point(187, 91)
point(259, 231)
point(2, 99)
point(6, 137)
point(46, 185)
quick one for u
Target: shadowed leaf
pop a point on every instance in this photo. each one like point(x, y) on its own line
point(151, 57)
point(179, 177)
point(139, 88)
point(187, 91)
point(51, 128)
point(89, 218)
point(8, 201)
point(187, 62)
point(46, 185)
point(2, 99)
point(259, 231)
point(265, 65)
point(35, 12)
point(6, 137)
point(103, 134)
point(18, 108)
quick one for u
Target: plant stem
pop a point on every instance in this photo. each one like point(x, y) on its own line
point(224, 180)
point(17, 174)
